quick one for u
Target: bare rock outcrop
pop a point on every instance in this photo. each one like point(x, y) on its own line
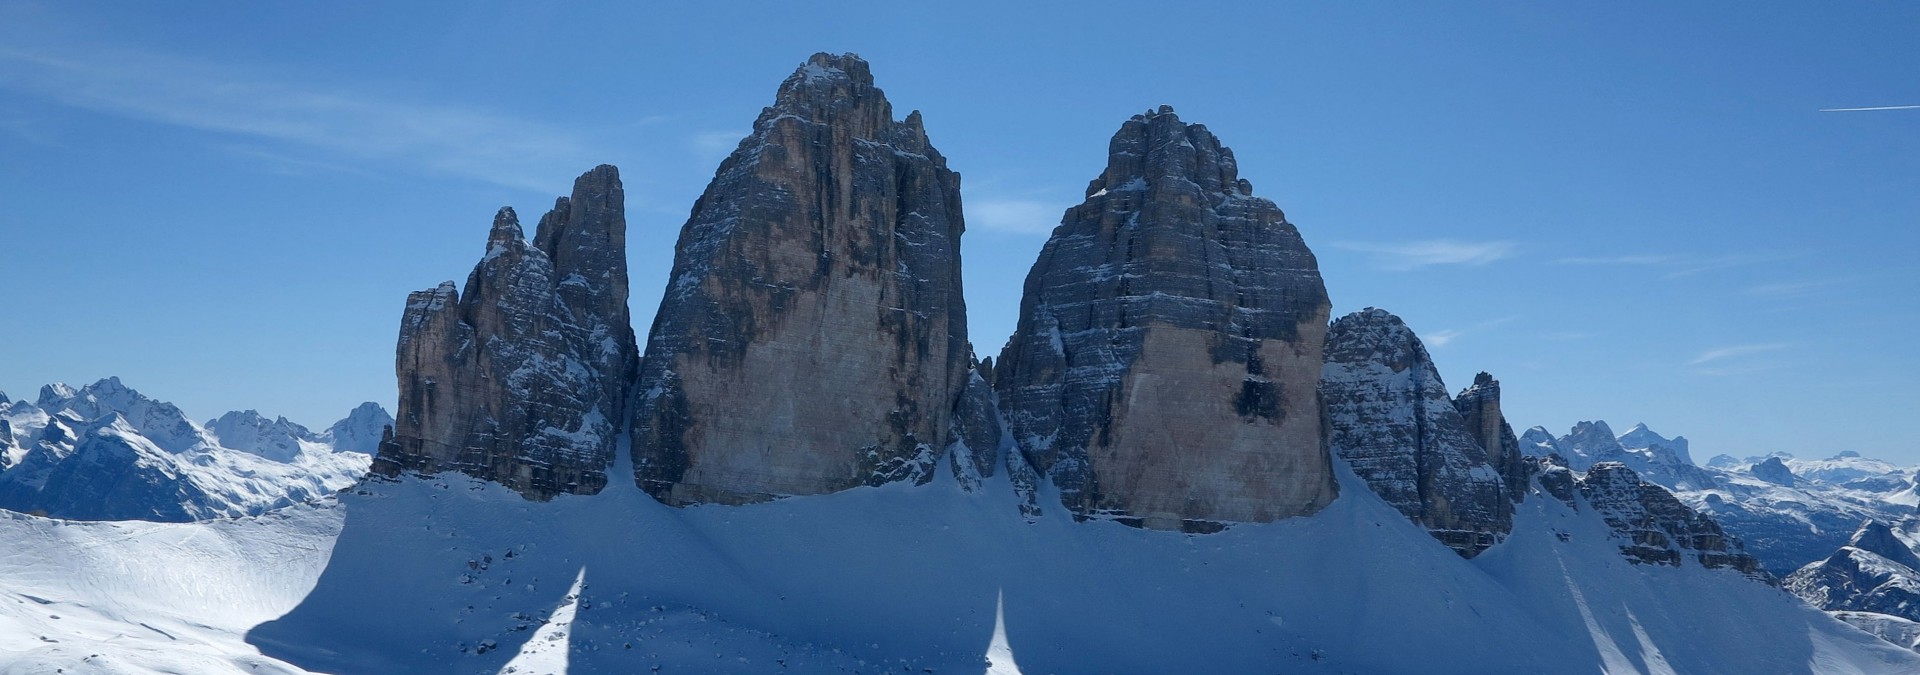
point(1479, 407)
point(1655, 528)
point(1164, 368)
point(1391, 419)
point(521, 378)
point(813, 335)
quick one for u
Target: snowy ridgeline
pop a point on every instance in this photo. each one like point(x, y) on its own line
point(453, 575)
point(1788, 512)
point(107, 452)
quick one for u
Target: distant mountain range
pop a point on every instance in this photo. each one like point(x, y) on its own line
point(107, 452)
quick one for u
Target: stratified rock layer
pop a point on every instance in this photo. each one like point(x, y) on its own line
point(1655, 528)
point(813, 337)
point(1165, 364)
point(1391, 419)
point(520, 378)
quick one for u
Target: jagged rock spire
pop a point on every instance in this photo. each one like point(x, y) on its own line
point(520, 378)
point(1390, 417)
point(813, 336)
point(1163, 370)
point(1479, 407)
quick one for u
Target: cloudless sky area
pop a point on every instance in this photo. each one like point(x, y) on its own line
point(1624, 211)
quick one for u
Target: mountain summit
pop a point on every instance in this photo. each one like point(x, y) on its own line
point(813, 337)
point(1165, 365)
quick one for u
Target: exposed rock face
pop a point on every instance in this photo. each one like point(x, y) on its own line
point(1165, 363)
point(1875, 575)
point(1655, 528)
point(813, 337)
point(1555, 479)
point(979, 432)
point(519, 378)
point(1479, 407)
point(1773, 471)
point(1390, 417)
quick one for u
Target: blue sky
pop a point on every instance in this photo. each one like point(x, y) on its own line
point(1631, 212)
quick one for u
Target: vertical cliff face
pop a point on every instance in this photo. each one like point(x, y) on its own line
point(813, 337)
point(1390, 417)
point(520, 378)
point(1164, 364)
point(1479, 407)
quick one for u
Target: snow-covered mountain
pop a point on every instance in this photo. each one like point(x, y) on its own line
point(1168, 471)
point(1873, 582)
point(1788, 512)
point(108, 452)
point(1789, 518)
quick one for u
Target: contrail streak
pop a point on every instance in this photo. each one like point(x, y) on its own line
point(1883, 107)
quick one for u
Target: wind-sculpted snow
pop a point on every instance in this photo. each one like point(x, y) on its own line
point(813, 334)
point(522, 377)
point(137, 458)
point(1390, 418)
point(1165, 363)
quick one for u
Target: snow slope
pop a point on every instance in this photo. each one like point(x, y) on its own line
point(452, 575)
point(141, 597)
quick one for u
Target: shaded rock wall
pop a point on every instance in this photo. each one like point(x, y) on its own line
point(1164, 367)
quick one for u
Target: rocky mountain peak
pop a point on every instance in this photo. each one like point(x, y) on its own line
point(361, 430)
point(518, 378)
point(1390, 417)
point(1479, 407)
point(1875, 537)
point(1164, 368)
point(813, 337)
point(1774, 471)
point(1155, 150)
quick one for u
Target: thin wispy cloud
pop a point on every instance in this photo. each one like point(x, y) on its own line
point(1677, 265)
point(1734, 351)
point(1414, 255)
point(1692, 266)
point(1793, 289)
point(1872, 108)
point(1014, 215)
point(340, 125)
point(1446, 336)
point(1440, 338)
point(1641, 259)
point(713, 146)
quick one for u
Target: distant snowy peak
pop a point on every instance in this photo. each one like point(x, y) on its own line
point(160, 422)
point(1642, 438)
point(248, 431)
point(360, 430)
point(1538, 442)
point(1874, 580)
point(108, 452)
